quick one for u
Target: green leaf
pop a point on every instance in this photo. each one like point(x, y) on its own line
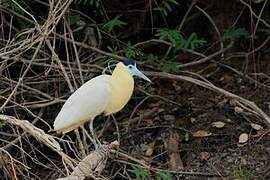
point(186, 137)
point(152, 59)
point(2, 124)
point(266, 31)
point(163, 176)
point(235, 33)
point(173, 2)
point(139, 172)
point(242, 173)
point(115, 22)
point(178, 40)
point(170, 67)
point(193, 42)
point(112, 49)
point(16, 8)
point(73, 19)
point(132, 52)
point(172, 36)
point(166, 6)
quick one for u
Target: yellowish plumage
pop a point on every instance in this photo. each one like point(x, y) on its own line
point(122, 85)
point(108, 94)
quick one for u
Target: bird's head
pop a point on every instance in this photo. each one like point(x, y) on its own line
point(130, 67)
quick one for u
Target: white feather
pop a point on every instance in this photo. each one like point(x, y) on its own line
point(85, 103)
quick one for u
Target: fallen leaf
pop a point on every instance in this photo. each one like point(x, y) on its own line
point(256, 126)
point(238, 110)
point(243, 138)
point(228, 120)
point(150, 149)
point(204, 155)
point(169, 117)
point(192, 120)
point(218, 124)
point(201, 133)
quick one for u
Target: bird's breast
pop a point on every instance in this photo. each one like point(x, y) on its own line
point(122, 89)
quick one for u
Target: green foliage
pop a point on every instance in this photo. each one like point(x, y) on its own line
point(139, 172)
point(115, 22)
point(73, 19)
point(234, 33)
point(170, 67)
point(193, 42)
point(113, 49)
point(96, 3)
point(20, 38)
point(163, 176)
point(266, 31)
point(132, 52)
point(186, 137)
point(16, 8)
point(166, 6)
point(242, 174)
point(173, 36)
point(152, 59)
point(2, 124)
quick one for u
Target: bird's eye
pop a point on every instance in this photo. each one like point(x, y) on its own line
point(129, 67)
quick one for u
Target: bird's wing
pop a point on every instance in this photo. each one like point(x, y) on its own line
point(84, 104)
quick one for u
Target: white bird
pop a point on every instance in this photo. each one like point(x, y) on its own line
point(106, 94)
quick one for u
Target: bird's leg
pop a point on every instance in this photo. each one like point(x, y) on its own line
point(85, 136)
point(96, 142)
point(84, 141)
point(117, 128)
point(89, 136)
point(82, 149)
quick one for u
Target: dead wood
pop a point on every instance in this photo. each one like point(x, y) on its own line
point(39, 134)
point(172, 147)
point(93, 164)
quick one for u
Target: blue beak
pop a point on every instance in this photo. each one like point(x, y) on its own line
point(138, 73)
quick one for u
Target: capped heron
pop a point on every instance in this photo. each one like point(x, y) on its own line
point(106, 94)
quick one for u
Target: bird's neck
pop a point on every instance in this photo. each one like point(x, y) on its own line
point(120, 75)
point(122, 84)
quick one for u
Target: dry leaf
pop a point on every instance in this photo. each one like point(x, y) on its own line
point(150, 149)
point(256, 126)
point(204, 155)
point(243, 138)
point(218, 124)
point(238, 110)
point(192, 120)
point(228, 120)
point(201, 133)
point(169, 117)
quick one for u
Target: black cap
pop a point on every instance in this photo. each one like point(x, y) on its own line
point(129, 62)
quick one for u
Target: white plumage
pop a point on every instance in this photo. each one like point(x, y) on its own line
point(84, 103)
